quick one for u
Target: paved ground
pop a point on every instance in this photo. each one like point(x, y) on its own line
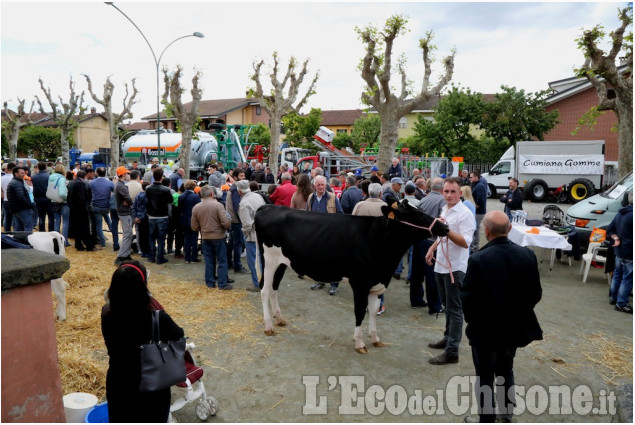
point(307, 371)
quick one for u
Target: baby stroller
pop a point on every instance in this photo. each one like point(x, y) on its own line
point(206, 406)
point(553, 216)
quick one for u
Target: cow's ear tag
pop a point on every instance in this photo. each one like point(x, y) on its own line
point(391, 215)
point(395, 205)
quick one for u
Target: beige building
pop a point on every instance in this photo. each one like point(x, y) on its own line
point(91, 134)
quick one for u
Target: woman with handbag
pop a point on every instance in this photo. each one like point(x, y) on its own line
point(57, 192)
point(127, 324)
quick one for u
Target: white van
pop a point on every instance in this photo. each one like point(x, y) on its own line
point(599, 210)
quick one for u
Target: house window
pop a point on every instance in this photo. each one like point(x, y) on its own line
point(403, 122)
point(257, 109)
point(342, 131)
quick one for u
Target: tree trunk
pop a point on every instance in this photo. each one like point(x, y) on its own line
point(186, 148)
point(276, 120)
point(114, 141)
point(65, 147)
point(13, 144)
point(388, 138)
point(625, 137)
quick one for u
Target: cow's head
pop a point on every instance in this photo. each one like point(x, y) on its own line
point(407, 214)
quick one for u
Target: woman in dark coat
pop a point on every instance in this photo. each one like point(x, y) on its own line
point(187, 201)
point(126, 323)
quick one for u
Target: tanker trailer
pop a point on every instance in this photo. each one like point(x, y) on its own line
point(142, 147)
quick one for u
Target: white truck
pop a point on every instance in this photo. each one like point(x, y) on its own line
point(543, 166)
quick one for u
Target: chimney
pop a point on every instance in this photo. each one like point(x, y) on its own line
point(93, 110)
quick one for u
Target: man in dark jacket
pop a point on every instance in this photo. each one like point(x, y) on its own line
point(479, 192)
point(621, 232)
point(513, 199)
point(44, 205)
point(351, 195)
point(395, 169)
point(159, 198)
point(79, 198)
point(499, 293)
point(19, 202)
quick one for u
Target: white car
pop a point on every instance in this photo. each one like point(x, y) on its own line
point(599, 210)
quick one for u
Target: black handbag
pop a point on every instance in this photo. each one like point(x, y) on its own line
point(162, 363)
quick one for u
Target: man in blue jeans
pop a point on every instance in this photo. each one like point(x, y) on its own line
point(450, 268)
point(210, 218)
point(159, 198)
point(249, 204)
point(102, 190)
point(232, 204)
point(621, 231)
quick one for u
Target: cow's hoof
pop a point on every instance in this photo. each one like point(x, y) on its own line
point(281, 323)
point(270, 333)
point(362, 350)
point(378, 344)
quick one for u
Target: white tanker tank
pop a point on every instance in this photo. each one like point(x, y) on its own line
point(142, 147)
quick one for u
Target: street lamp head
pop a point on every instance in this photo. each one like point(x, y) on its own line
point(198, 34)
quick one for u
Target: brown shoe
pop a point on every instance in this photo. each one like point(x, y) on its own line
point(443, 358)
point(439, 344)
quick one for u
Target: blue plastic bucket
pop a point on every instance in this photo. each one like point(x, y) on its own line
point(97, 415)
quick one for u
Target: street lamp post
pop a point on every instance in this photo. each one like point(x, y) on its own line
point(157, 62)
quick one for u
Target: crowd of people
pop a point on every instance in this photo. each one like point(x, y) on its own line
point(161, 212)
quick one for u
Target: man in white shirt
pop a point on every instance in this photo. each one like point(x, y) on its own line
point(450, 268)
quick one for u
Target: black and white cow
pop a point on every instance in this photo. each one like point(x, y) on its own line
point(315, 245)
point(53, 242)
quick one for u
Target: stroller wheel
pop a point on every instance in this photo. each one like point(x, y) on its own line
point(202, 411)
point(213, 405)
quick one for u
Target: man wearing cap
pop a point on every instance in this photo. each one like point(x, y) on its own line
point(374, 171)
point(393, 189)
point(124, 212)
point(249, 204)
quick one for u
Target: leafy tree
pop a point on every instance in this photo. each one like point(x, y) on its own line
point(345, 140)
point(276, 103)
point(453, 129)
point(260, 135)
point(113, 119)
point(44, 141)
point(601, 70)
point(187, 120)
point(376, 70)
point(65, 118)
point(366, 130)
point(300, 129)
point(515, 116)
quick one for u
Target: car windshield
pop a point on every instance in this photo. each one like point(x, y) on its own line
point(618, 189)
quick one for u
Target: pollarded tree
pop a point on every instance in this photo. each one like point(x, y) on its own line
point(277, 103)
point(600, 68)
point(65, 119)
point(186, 120)
point(113, 119)
point(377, 70)
point(14, 121)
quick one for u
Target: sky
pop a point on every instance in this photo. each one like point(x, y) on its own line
point(522, 45)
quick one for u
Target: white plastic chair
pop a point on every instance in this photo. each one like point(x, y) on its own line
point(591, 255)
